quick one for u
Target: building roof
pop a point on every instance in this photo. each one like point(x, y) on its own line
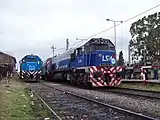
point(9, 56)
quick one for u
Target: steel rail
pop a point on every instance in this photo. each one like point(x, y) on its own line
point(115, 90)
point(139, 90)
point(104, 104)
point(58, 117)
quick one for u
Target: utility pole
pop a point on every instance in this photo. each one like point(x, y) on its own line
point(145, 57)
point(53, 48)
point(67, 44)
point(129, 52)
point(115, 35)
point(115, 41)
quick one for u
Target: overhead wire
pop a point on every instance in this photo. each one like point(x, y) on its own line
point(125, 20)
point(79, 42)
point(117, 25)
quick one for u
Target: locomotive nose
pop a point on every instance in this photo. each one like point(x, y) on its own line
point(31, 76)
point(107, 78)
point(120, 74)
point(97, 74)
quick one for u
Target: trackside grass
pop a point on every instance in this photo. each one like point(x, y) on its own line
point(141, 86)
point(16, 103)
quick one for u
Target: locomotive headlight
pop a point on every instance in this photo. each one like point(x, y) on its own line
point(100, 55)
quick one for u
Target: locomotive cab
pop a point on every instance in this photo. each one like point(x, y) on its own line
point(98, 55)
point(101, 52)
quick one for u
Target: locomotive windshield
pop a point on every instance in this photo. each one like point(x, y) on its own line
point(99, 44)
point(99, 47)
point(31, 60)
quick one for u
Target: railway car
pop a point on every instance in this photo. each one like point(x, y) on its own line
point(90, 64)
point(31, 68)
point(46, 69)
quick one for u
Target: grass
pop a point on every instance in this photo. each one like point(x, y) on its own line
point(40, 110)
point(16, 103)
point(141, 86)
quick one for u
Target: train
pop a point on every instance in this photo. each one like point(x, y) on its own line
point(90, 64)
point(30, 68)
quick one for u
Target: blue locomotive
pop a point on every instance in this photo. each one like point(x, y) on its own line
point(30, 68)
point(90, 64)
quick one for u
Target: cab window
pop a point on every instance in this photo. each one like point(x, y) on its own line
point(79, 51)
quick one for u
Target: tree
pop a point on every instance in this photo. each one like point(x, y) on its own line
point(145, 41)
point(121, 59)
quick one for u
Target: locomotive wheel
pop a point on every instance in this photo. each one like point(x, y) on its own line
point(88, 85)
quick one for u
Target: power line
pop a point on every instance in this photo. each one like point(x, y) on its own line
point(116, 25)
point(76, 43)
point(59, 49)
point(120, 23)
point(125, 20)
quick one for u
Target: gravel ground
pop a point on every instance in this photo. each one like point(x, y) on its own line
point(152, 95)
point(73, 108)
point(149, 107)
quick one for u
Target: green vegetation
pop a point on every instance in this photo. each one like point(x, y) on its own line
point(17, 104)
point(145, 41)
point(141, 86)
point(121, 59)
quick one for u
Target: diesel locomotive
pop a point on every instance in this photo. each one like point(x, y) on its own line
point(31, 68)
point(91, 64)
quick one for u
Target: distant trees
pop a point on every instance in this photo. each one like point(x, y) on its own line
point(145, 41)
point(121, 59)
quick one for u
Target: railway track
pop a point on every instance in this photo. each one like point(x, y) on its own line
point(134, 92)
point(68, 105)
point(129, 91)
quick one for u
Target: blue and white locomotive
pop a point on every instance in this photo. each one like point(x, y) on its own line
point(30, 68)
point(90, 64)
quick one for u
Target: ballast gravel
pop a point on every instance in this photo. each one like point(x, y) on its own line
point(70, 107)
point(149, 107)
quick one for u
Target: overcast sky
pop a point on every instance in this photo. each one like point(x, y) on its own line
point(33, 26)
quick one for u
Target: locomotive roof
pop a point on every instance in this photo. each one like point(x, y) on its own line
point(84, 42)
point(67, 53)
point(35, 56)
point(9, 56)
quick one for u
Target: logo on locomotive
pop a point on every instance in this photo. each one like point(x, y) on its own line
point(31, 67)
